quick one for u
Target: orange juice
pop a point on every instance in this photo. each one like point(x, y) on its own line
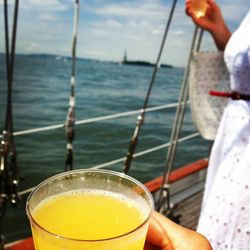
point(199, 7)
point(89, 210)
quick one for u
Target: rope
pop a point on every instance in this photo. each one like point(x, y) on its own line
point(140, 119)
point(70, 120)
point(164, 192)
point(94, 119)
point(110, 163)
point(9, 177)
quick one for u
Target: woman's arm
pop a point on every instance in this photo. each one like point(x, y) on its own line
point(213, 22)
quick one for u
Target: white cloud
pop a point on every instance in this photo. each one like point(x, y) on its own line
point(145, 25)
point(132, 23)
point(137, 9)
point(100, 33)
point(95, 53)
point(178, 32)
point(33, 47)
point(47, 17)
point(49, 5)
point(113, 24)
point(133, 37)
point(156, 32)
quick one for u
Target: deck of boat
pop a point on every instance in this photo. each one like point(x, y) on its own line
point(188, 210)
point(186, 192)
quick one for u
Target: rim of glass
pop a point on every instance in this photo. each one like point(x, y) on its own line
point(31, 218)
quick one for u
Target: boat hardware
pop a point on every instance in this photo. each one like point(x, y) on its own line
point(9, 173)
point(94, 119)
point(163, 204)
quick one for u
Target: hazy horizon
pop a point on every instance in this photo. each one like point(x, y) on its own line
point(108, 28)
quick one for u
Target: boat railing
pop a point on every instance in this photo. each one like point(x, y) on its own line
point(94, 119)
point(109, 163)
point(108, 117)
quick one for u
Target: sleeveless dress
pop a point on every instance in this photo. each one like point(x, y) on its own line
point(225, 214)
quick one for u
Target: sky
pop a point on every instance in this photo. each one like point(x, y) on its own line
point(109, 27)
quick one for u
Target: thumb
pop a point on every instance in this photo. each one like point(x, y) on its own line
point(157, 236)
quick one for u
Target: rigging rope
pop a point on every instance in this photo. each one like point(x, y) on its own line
point(144, 152)
point(94, 119)
point(9, 175)
point(163, 204)
point(141, 116)
point(70, 120)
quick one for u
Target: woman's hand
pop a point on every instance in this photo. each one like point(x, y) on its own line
point(163, 234)
point(212, 19)
point(213, 22)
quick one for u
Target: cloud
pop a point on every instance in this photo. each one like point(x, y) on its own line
point(47, 17)
point(33, 47)
point(179, 32)
point(48, 5)
point(156, 32)
point(113, 24)
point(134, 9)
point(94, 53)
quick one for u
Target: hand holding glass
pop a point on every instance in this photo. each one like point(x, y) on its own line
point(198, 7)
point(89, 209)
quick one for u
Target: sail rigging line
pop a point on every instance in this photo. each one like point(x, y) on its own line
point(13, 168)
point(9, 174)
point(144, 152)
point(70, 120)
point(163, 203)
point(140, 119)
point(94, 119)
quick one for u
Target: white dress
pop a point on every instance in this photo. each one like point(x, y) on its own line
point(225, 215)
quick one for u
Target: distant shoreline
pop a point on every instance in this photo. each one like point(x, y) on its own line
point(66, 58)
point(144, 63)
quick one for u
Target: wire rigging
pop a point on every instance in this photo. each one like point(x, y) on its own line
point(163, 203)
point(140, 119)
point(9, 173)
point(70, 120)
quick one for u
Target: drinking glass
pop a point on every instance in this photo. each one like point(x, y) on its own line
point(63, 190)
point(199, 7)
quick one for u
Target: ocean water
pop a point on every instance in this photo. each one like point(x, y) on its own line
point(40, 98)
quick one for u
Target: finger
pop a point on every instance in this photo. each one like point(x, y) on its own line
point(212, 4)
point(150, 247)
point(157, 236)
point(187, 8)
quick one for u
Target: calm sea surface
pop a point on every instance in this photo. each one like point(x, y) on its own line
point(40, 98)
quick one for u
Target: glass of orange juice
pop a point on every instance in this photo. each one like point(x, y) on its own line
point(199, 7)
point(89, 210)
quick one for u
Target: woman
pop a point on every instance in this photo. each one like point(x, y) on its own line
point(225, 214)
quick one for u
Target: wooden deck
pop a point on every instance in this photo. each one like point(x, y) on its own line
point(188, 211)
